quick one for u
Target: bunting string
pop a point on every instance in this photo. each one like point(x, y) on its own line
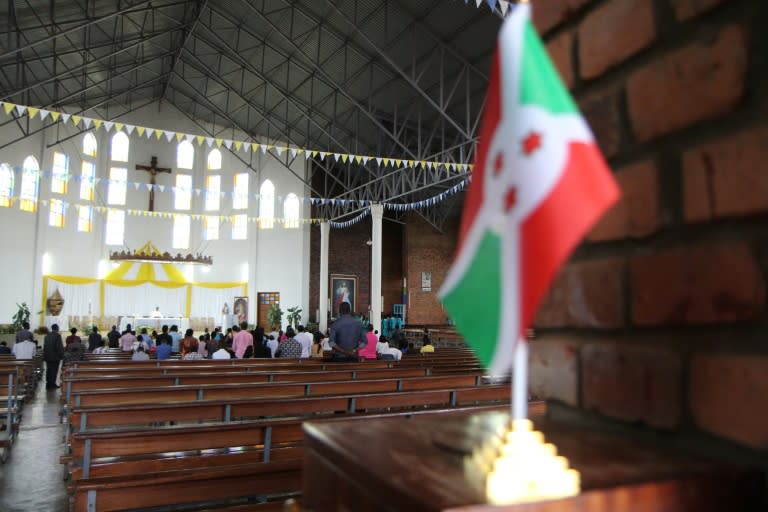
point(276, 150)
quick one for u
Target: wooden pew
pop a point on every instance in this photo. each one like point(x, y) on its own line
point(132, 468)
point(91, 418)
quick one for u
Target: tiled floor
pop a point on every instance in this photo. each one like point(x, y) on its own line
point(32, 479)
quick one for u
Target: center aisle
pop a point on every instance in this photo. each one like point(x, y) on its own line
point(32, 478)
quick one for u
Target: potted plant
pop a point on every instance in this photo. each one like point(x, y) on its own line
point(294, 316)
point(275, 316)
point(21, 316)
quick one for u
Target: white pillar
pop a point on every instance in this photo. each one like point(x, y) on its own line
point(324, 232)
point(377, 214)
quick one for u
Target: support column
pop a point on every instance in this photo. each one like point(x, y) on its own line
point(377, 214)
point(323, 303)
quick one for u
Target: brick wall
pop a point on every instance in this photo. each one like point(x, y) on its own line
point(427, 250)
point(659, 319)
point(348, 254)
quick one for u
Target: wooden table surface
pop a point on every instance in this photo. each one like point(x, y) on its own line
point(417, 463)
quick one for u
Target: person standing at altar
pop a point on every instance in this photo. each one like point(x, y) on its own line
point(127, 340)
point(53, 353)
point(175, 338)
point(242, 340)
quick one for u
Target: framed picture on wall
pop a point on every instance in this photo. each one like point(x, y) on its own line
point(343, 289)
point(240, 309)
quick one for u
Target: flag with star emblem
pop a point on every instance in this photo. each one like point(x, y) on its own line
point(539, 183)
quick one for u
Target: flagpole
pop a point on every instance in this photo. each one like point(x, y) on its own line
point(520, 381)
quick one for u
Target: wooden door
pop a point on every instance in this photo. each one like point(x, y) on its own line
point(265, 301)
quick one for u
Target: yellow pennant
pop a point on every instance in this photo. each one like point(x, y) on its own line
point(119, 126)
point(32, 112)
point(140, 129)
point(423, 164)
point(358, 159)
point(344, 158)
point(179, 136)
point(254, 147)
point(97, 123)
point(386, 162)
point(8, 107)
point(158, 134)
point(76, 120)
point(219, 142)
point(199, 140)
point(238, 145)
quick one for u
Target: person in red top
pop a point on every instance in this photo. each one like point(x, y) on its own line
point(369, 351)
point(72, 337)
point(188, 342)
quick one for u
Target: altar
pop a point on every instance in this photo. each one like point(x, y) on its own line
point(154, 322)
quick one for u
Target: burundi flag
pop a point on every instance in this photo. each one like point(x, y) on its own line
point(538, 185)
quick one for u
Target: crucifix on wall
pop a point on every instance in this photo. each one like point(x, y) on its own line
point(153, 170)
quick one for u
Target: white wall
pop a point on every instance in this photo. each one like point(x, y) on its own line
point(276, 259)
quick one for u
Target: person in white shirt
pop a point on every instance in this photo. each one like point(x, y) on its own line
point(272, 343)
point(221, 354)
point(383, 348)
point(305, 339)
point(24, 350)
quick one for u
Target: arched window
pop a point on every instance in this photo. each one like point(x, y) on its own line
point(60, 173)
point(240, 195)
point(88, 168)
point(214, 160)
point(89, 145)
point(30, 179)
point(120, 147)
point(291, 211)
point(185, 155)
point(266, 205)
point(6, 185)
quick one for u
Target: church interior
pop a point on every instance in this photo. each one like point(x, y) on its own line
point(203, 163)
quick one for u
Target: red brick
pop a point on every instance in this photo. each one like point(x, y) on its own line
point(602, 115)
point(614, 32)
point(553, 373)
point(701, 81)
point(726, 178)
point(728, 396)
point(706, 284)
point(427, 250)
point(632, 383)
point(585, 294)
point(547, 15)
point(636, 213)
point(559, 50)
point(687, 9)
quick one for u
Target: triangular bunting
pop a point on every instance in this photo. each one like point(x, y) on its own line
point(358, 159)
point(8, 107)
point(97, 123)
point(76, 120)
point(129, 128)
point(55, 116)
point(108, 125)
point(219, 142)
point(140, 130)
point(199, 140)
point(179, 136)
point(169, 135)
point(32, 112)
point(228, 143)
point(65, 118)
point(87, 122)
point(344, 158)
point(44, 113)
point(119, 126)
point(20, 109)
point(238, 145)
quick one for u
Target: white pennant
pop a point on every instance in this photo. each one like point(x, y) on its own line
point(169, 135)
point(189, 137)
point(87, 122)
point(209, 141)
point(20, 109)
point(293, 152)
point(129, 128)
point(161, 187)
point(365, 160)
point(279, 150)
point(65, 118)
point(136, 185)
point(322, 155)
point(378, 161)
point(336, 156)
point(44, 113)
point(228, 143)
point(108, 125)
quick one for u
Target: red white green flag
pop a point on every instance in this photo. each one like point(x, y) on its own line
point(539, 183)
